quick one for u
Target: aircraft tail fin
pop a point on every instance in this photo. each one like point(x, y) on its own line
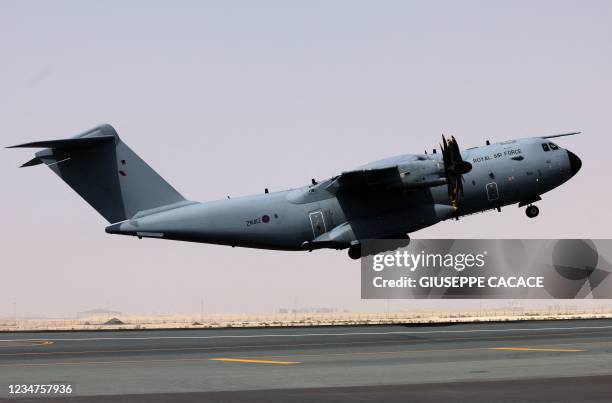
point(105, 172)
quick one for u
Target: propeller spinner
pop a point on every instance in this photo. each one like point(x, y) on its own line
point(454, 168)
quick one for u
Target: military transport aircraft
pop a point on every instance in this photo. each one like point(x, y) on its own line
point(389, 198)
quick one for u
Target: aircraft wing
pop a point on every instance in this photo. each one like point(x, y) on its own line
point(560, 135)
point(365, 179)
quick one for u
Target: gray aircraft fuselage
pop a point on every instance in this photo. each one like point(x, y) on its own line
point(386, 199)
point(316, 216)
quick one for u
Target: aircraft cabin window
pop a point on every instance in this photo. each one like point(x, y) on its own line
point(545, 147)
point(553, 146)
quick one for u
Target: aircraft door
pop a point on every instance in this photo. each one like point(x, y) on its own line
point(492, 192)
point(317, 222)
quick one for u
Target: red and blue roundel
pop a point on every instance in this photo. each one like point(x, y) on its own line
point(265, 218)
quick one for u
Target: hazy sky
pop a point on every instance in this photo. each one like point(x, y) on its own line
point(230, 97)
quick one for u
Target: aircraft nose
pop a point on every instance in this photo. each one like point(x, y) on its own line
point(575, 163)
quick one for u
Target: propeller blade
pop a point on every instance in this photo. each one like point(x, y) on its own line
point(456, 151)
point(454, 168)
point(451, 149)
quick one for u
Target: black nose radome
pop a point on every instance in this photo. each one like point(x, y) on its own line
point(575, 162)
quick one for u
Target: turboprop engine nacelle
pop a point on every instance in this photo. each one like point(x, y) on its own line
point(424, 173)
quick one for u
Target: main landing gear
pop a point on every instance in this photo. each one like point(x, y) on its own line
point(532, 211)
point(354, 251)
point(386, 244)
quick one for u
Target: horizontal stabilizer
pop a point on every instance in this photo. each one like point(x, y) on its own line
point(32, 162)
point(67, 143)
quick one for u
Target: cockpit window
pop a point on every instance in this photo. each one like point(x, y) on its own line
point(545, 147)
point(553, 146)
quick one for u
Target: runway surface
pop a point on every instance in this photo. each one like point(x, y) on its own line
point(531, 361)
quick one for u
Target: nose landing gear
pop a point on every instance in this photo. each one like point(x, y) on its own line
point(532, 211)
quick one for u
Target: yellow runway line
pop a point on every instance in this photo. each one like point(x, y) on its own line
point(24, 343)
point(550, 350)
point(43, 342)
point(254, 361)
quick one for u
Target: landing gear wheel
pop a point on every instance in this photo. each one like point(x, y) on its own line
point(532, 211)
point(354, 251)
